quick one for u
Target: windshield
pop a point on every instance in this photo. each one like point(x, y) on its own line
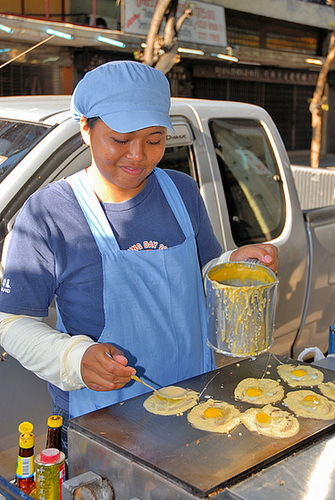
point(16, 140)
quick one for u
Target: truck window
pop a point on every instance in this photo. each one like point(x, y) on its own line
point(251, 180)
point(16, 140)
point(178, 158)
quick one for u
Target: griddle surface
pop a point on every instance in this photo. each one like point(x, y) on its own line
point(200, 461)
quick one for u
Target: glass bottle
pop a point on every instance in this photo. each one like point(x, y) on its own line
point(25, 461)
point(54, 440)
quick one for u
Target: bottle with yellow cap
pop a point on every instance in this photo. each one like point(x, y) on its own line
point(54, 441)
point(25, 460)
point(55, 423)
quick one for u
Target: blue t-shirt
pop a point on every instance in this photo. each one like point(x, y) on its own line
point(53, 252)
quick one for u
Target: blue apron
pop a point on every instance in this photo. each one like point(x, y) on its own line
point(154, 303)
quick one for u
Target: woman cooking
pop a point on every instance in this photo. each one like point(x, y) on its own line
point(120, 246)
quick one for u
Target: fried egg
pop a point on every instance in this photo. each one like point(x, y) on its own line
point(300, 375)
point(308, 404)
point(214, 416)
point(259, 391)
point(328, 389)
point(165, 406)
point(270, 421)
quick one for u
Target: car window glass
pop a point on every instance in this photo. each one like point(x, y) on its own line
point(16, 139)
point(72, 155)
point(177, 158)
point(251, 180)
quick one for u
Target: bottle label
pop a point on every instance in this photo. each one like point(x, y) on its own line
point(61, 477)
point(25, 467)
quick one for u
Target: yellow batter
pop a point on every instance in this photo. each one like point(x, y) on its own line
point(300, 375)
point(259, 391)
point(308, 404)
point(242, 274)
point(164, 406)
point(270, 421)
point(214, 416)
point(328, 389)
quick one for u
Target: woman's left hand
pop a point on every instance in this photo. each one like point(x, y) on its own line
point(267, 254)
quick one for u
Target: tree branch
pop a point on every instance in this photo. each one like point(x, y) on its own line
point(185, 15)
point(155, 26)
point(170, 30)
point(161, 51)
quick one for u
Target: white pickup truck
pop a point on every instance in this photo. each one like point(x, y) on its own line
point(235, 153)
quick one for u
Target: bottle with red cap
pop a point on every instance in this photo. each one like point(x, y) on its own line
point(50, 468)
point(25, 460)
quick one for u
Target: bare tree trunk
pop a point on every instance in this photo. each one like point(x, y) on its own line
point(318, 100)
point(170, 57)
point(161, 51)
point(150, 54)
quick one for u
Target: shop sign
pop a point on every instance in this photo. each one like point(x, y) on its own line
point(206, 26)
point(271, 75)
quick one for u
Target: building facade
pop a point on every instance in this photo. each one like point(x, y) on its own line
point(265, 52)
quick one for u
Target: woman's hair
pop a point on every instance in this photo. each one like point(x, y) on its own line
point(92, 121)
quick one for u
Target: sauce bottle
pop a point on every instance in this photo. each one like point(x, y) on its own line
point(55, 423)
point(25, 460)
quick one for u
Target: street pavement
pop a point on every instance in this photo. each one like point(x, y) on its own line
point(299, 159)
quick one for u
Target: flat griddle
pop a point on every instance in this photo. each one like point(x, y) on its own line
point(201, 462)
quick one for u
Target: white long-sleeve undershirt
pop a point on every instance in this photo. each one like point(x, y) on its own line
point(50, 354)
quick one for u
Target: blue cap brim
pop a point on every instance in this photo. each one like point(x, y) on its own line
point(131, 121)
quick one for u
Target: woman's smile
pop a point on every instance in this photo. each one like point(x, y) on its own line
point(131, 170)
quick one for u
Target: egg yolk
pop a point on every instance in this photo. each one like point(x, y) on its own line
point(212, 413)
point(299, 373)
point(263, 418)
point(254, 392)
point(311, 400)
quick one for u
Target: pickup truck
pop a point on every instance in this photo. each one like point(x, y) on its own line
point(236, 155)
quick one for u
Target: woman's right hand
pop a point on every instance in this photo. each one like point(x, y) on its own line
point(105, 372)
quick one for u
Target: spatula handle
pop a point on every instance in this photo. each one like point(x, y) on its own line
point(135, 377)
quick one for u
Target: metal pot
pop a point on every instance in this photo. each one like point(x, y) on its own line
point(241, 299)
